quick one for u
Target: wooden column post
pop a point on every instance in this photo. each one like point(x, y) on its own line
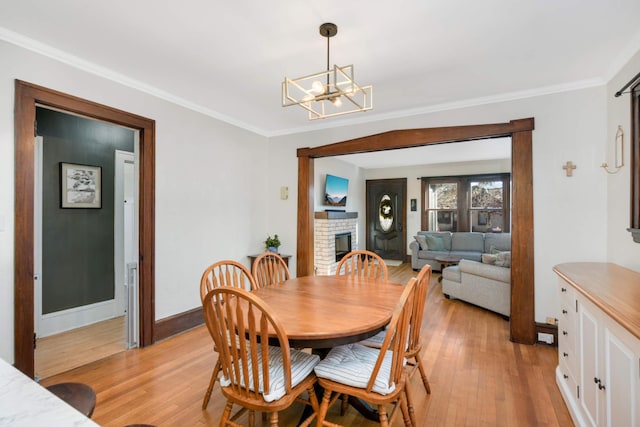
point(305, 240)
point(522, 326)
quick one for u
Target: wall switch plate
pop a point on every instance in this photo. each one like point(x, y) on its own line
point(284, 193)
point(548, 338)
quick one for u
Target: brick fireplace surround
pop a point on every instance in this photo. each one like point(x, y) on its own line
point(326, 225)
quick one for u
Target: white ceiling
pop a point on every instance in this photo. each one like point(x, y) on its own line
point(228, 58)
point(470, 151)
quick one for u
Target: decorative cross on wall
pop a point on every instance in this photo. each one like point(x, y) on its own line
point(569, 167)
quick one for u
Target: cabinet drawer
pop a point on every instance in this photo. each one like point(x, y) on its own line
point(567, 355)
point(570, 380)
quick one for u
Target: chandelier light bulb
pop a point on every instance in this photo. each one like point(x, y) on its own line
point(337, 101)
point(317, 87)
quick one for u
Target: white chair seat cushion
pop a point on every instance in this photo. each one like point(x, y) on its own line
point(302, 365)
point(376, 340)
point(352, 365)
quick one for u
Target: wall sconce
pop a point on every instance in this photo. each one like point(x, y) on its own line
point(618, 152)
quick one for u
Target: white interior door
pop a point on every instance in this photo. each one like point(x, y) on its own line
point(37, 235)
point(126, 239)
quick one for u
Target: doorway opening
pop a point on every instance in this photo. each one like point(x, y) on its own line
point(28, 97)
point(84, 238)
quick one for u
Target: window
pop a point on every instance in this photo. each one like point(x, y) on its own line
point(443, 203)
point(467, 203)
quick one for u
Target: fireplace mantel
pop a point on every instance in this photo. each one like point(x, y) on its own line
point(335, 215)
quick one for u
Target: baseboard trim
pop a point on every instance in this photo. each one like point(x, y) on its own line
point(172, 325)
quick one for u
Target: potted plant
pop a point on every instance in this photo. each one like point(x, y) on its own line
point(272, 243)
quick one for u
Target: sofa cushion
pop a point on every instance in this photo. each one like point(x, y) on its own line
point(428, 254)
point(422, 241)
point(467, 241)
point(451, 273)
point(444, 235)
point(493, 272)
point(435, 243)
point(499, 241)
point(503, 259)
point(475, 256)
point(488, 259)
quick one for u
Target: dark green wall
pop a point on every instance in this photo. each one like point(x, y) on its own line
point(77, 244)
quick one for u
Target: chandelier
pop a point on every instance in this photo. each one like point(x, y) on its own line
point(328, 93)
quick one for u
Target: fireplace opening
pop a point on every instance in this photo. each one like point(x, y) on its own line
point(343, 245)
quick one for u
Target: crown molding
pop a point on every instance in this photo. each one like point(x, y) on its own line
point(106, 73)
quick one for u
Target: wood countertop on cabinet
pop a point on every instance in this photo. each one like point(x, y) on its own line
point(612, 288)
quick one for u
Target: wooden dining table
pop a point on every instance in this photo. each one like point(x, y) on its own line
point(322, 312)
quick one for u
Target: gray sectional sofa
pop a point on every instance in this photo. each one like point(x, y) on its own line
point(483, 275)
point(467, 245)
point(485, 285)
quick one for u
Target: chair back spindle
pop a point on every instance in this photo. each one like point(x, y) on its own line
point(268, 269)
point(362, 263)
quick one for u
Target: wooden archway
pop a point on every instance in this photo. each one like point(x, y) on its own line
point(522, 324)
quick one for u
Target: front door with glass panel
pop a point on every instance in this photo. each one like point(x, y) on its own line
point(386, 234)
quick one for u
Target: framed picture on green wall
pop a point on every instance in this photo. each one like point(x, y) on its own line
point(80, 186)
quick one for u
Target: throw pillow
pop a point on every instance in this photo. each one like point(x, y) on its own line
point(435, 243)
point(488, 259)
point(503, 259)
point(493, 250)
point(422, 241)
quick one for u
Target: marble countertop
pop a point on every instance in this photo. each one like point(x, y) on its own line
point(23, 402)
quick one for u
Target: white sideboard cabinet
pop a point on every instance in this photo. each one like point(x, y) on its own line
point(599, 343)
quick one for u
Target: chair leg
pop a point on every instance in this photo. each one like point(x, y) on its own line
point(407, 393)
point(324, 407)
point(252, 419)
point(345, 404)
point(405, 412)
point(212, 381)
point(274, 419)
point(382, 412)
point(423, 374)
point(226, 414)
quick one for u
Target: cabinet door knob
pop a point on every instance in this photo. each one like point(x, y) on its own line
point(564, 311)
point(596, 380)
point(565, 354)
point(565, 333)
point(563, 289)
point(601, 386)
point(566, 377)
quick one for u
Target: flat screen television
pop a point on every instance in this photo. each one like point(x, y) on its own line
point(335, 191)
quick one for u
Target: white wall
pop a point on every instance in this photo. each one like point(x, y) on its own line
point(211, 191)
point(620, 246)
point(414, 187)
point(570, 214)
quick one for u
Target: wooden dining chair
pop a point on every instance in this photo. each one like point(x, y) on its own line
point(414, 346)
point(268, 269)
point(377, 376)
point(255, 375)
point(223, 273)
point(363, 263)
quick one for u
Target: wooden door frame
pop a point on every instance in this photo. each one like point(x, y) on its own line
point(522, 323)
point(27, 97)
point(402, 181)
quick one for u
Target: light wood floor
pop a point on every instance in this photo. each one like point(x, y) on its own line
point(62, 352)
point(478, 377)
